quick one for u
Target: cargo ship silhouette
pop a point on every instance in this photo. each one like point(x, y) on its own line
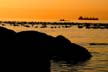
point(86, 18)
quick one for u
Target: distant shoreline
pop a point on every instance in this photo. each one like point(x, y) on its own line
point(56, 24)
point(54, 20)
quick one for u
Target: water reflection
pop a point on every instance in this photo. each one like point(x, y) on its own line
point(64, 67)
point(98, 63)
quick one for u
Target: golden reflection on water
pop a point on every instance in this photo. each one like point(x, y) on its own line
point(74, 34)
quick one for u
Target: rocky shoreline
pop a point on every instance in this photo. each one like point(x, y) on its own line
point(32, 50)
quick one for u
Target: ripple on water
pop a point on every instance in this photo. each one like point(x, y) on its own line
point(98, 63)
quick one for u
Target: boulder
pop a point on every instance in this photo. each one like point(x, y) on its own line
point(33, 50)
point(70, 52)
point(56, 48)
point(32, 46)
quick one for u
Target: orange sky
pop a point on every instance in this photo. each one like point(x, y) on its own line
point(52, 9)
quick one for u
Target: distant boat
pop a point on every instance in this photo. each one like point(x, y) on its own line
point(86, 18)
point(63, 20)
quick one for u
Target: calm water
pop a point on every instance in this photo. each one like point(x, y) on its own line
point(99, 61)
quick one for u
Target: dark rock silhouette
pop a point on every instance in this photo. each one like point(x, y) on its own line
point(19, 55)
point(6, 49)
point(33, 46)
point(32, 50)
point(70, 52)
point(6, 39)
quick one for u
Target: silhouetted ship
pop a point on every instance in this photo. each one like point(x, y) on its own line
point(63, 20)
point(86, 18)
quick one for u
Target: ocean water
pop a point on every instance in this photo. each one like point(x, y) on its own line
point(99, 61)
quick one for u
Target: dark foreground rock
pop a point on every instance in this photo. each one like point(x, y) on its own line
point(70, 52)
point(32, 50)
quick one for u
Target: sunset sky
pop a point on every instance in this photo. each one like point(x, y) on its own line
point(52, 9)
